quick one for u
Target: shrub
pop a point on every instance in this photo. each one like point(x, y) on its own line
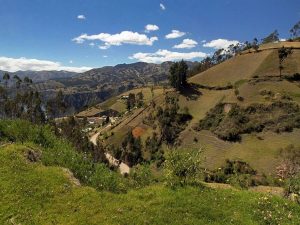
point(182, 168)
point(293, 185)
point(236, 173)
point(240, 98)
point(141, 176)
point(280, 116)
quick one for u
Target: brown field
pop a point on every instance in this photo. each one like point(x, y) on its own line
point(138, 132)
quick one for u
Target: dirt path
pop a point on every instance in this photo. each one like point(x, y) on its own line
point(113, 161)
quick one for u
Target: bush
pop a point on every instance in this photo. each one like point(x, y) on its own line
point(182, 168)
point(240, 98)
point(236, 173)
point(141, 176)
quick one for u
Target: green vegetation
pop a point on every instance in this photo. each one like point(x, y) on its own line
point(283, 53)
point(273, 37)
point(237, 173)
point(60, 152)
point(278, 116)
point(182, 167)
point(178, 75)
point(35, 194)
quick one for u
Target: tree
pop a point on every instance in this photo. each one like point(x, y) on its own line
point(132, 150)
point(178, 75)
point(273, 37)
point(140, 99)
point(6, 78)
point(295, 30)
point(27, 81)
point(18, 81)
point(255, 44)
point(56, 106)
point(131, 101)
point(283, 53)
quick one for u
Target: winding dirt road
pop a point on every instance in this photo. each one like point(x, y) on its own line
point(113, 161)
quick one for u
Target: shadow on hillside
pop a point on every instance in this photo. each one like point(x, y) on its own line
point(191, 92)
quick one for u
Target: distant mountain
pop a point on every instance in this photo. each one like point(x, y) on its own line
point(97, 85)
point(139, 73)
point(39, 76)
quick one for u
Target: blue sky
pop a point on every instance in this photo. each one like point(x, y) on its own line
point(48, 34)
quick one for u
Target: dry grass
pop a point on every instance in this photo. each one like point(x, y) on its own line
point(269, 67)
point(261, 153)
point(235, 69)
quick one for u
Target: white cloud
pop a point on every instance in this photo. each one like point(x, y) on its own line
point(220, 43)
point(162, 6)
point(151, 27)
point(13, 65)
point(71, 61)
point(125, 37)
point(103, 47)
point(175, 34)
point(187, 43)
point(282, 39)
point(203, 41)
point(165, 55)
point(105, 56)
point(92, 44)
point(81, 17)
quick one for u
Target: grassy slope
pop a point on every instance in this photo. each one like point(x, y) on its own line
point(261, 154)
point(34, 194)
point(235, 69)
point(269, 66)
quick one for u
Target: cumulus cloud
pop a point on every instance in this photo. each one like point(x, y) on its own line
point(125, 37)
point(165, 55)
point(151, 27)
point(81, 17)
point(187, 43)
point(220, 43)
point(162, 6)
point(175, 34)
point(16, 64)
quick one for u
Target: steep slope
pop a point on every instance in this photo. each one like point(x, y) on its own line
point(235, 69)
point(252, 75)
point(32, 193)
point(255, 80)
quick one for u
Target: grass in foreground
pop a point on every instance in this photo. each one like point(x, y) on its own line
point(32, 193)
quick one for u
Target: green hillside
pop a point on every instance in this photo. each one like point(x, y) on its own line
point(33, 193)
